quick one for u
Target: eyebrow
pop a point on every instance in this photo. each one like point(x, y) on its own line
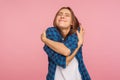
point(65, 13)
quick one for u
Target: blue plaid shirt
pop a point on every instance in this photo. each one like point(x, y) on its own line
point(55, 58)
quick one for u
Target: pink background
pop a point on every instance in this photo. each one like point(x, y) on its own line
point(22, 21)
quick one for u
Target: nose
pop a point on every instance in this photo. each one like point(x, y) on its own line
point(62, 17)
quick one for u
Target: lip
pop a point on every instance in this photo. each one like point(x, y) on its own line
point(62, 20)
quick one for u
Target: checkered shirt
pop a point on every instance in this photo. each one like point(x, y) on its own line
point(55, 58)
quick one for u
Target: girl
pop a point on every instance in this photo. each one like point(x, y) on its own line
point(63, 45)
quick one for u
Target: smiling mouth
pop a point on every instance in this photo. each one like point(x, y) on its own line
point(62, 21)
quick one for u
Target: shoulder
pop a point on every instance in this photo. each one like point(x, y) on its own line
point(73, 37)
point(53, 33)
point(51, 29)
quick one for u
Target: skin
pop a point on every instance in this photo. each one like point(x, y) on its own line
point(64, 21)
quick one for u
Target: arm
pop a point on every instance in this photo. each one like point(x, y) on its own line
point(58, 59)
point(52, 39)
point(69, 58)
point(57, 46)
point(71, 43)
point(80, 43)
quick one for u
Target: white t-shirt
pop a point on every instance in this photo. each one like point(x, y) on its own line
point(71, 71)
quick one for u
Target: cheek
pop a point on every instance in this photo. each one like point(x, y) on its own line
point(69, 20)
point(57, 18)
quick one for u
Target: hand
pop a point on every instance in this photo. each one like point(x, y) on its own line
point(43, 36)
point(80, 36)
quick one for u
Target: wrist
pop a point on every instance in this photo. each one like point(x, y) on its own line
point(79, 45)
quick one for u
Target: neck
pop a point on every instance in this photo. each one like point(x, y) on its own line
point(64, 32)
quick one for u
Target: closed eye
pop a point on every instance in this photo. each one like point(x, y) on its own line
point(60, 14)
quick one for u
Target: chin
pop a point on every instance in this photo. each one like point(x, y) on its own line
point(62, 27)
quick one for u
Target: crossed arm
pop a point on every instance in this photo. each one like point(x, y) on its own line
point(61, 53)
point(60, 48)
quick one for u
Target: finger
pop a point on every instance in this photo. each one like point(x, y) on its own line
point(81, 28)
point(77, 33)
point(45, 33)
point(84, 30)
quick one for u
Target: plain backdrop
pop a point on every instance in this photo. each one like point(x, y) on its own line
point(22, 21)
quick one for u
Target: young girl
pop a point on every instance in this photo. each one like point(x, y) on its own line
point(63, 45)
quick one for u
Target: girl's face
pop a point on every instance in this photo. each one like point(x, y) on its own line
point(64, 18)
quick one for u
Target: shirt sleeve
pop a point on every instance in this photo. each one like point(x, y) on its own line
point(58, 59)
point(55, 57)
point(71, 42)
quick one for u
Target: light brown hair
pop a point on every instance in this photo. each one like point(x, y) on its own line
point(75, 21)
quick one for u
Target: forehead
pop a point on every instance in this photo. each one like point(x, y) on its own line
point(65, 11)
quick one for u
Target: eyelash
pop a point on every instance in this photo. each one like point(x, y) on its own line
point(60, 14)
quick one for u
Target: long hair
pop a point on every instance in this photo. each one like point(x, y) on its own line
point(75, 21)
